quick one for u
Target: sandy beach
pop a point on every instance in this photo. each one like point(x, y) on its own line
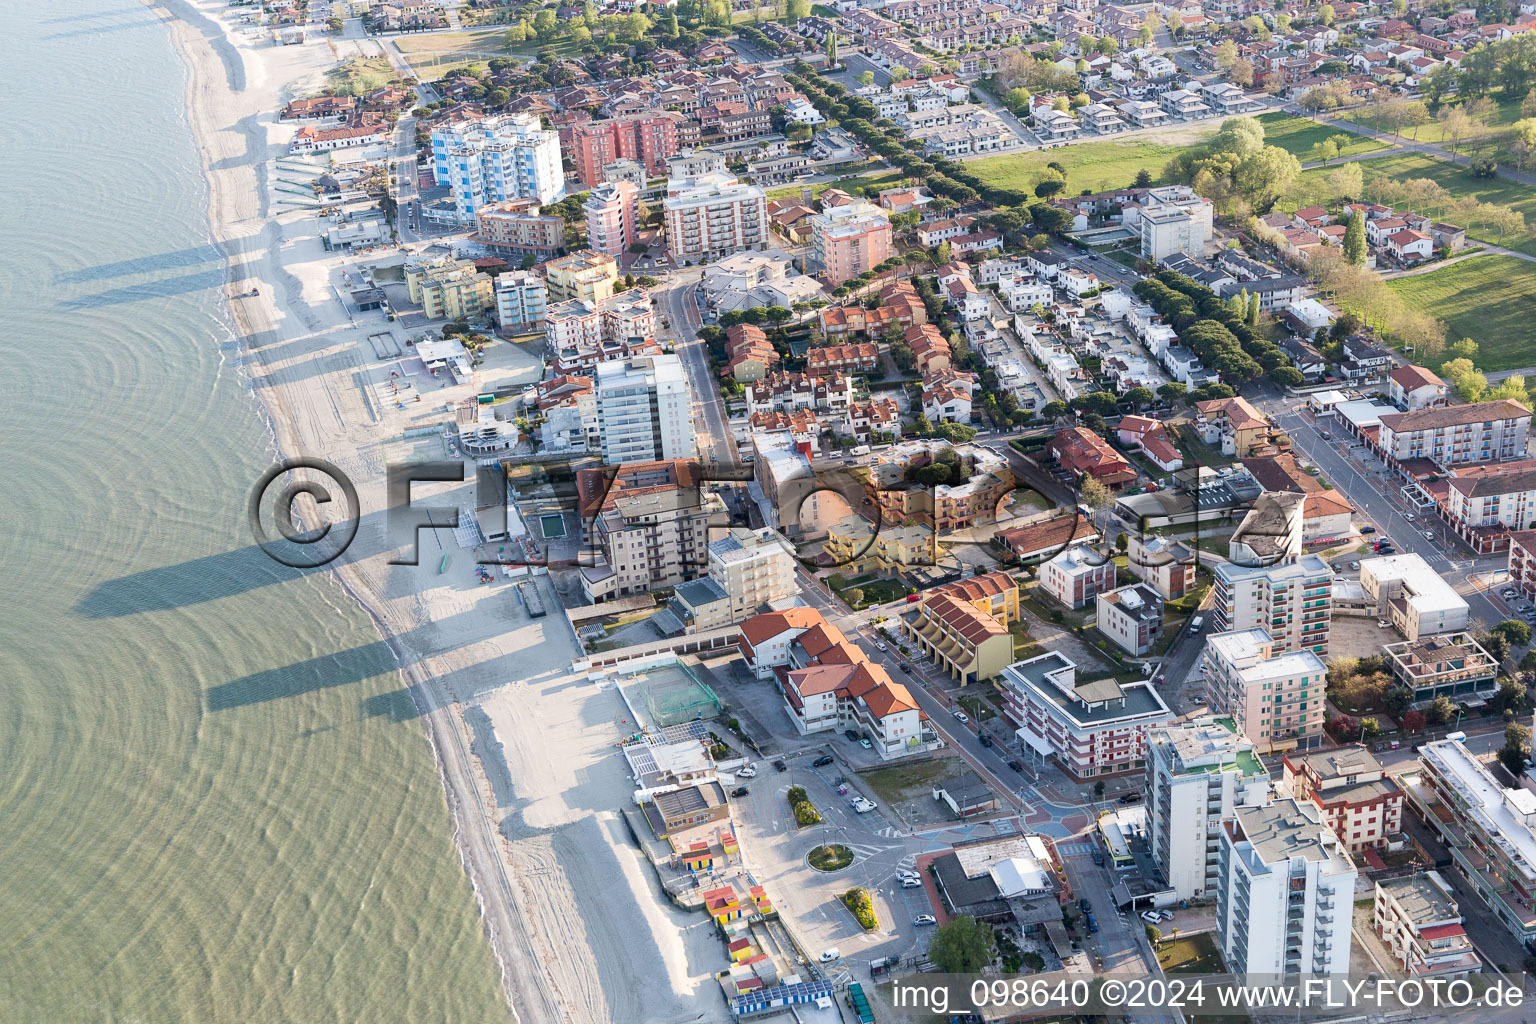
point(525, 748)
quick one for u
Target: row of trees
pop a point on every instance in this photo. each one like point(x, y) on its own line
point(1218, 334)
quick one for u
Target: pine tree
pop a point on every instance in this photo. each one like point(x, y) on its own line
point(1354, 241)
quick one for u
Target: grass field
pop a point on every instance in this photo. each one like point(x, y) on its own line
point(1490, 299)
point(1454, 179)
point(869, 182)
point(360, 75)
point(490, 40)
point(1507, 114)
point(1105, 164)
point(1297, 135)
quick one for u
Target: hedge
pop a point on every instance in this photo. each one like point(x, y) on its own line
point(862, 907)
point(800, 803)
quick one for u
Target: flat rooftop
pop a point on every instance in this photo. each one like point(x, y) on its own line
point(1287, 830)
point(1096, 702)
point(1206, 746)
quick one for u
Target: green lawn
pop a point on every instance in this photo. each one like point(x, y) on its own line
point(1490, 299)
point(1508, 113)
point(1456, 180)
point(871, 183)
point(1112, 163)
point(876, 589)
point(1297, 135)
point(360, 75)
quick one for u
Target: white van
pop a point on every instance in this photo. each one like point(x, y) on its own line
point(1195, 623)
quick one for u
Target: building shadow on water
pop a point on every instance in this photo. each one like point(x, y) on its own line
point(186, 284)
point(189, 257)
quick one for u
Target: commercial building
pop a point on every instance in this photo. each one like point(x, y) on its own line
point(645, 527)
point(1412, 595)
point(1091, 728)
point(747, 570)
point(1450, 665)
point(1285, 893)
point(644, 410)
point(1356, 798)
point(1291, 601)
point(1419, 922)
point(491, 159)
point(613, 217)
point(1077, 576)
point(849, 240)
point(713, 216)
point(447, 288)
point(582, 275)
point(517, 227)
point(1489, 831)
point(1198, 773)
point(1450, 435)
point(1276, 698)
point(828, 683)
point(521, 300)
point(1131, 617)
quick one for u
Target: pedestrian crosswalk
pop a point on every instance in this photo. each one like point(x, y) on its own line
point(1074, 849)
point(1004, 826)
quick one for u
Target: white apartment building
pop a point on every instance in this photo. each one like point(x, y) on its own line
point(1092, 728)
point(712, 216)
point(1413, 596)
point(1494, 500)
point(580, 331)
point(748, 569)
point(497, 158)
point(1198, 773)
point(644, 410)
point(1174, 220)
point(1449, 435)
point(1285, 893)
point(1291, 601)
point(521, 300)
point(1131, 616)
point(1419, 922)
point(1275, 697)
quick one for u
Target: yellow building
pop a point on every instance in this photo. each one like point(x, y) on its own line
point(967, 643)
point(447, 289)
point(582, 275)
point(995, 594)
point(897, 547)
point(850, 540)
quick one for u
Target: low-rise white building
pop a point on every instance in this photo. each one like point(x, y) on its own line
point(1417, 600)
point(1417, 919)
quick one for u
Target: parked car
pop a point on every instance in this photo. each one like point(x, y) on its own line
point(1150, 916)
point(1354, 565)
point(739, 791)
point(781, 766)
point(1093, 924)
point(862, 805)
point(1166, 915)
point(1198, 699)
point(911, 883)
point(1363, 529)
point(822, 761)
point(829, 955)
point(925, 919)
point(1016, 765)
point(747, 773)
point(852, 734)
point(1410, 516)
point(1084, 905)
point(1429, 535)
point(1098, 858)
point(1130, 798)
point(960, 716)
point(865, 743)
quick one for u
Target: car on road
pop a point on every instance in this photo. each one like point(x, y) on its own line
point(822, 761)
point(1016, 765)
point(862, 805)
point(1429, 535)
point(960, 716)
point(925, 919)
point(829, 955)
point(1410, 517)
point(1130, 798)
point(986, 740)
point(781, 766)
point(1098, 858)
point(747, 773)
point(865, 743)
point(880, 645)
point(906, 668)
point(739, 791)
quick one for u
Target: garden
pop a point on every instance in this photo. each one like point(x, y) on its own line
point(830, 857)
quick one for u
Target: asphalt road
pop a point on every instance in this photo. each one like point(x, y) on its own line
point(682, 312)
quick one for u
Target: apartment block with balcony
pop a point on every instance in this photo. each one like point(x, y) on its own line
point(1285, 893)
point(1521, 562)
point(448, 288)
point(1091, 728)
point(518, 227)
point(521, 300)
point(1357, 799)
point(1290, 601)
point(1131, 617)
point(748, 570)
point(613, 217)
point(850, 239)
point(647, 527)
point(713, 216)
point(1450, 665)
point(583, 275)
point(1077, 575)
point(1489, 831)
point(490, 159)
point(644, 410)
point(1451, 435)
point(1198, 773)
point(942, 507)
point(1419, 922)
point(1277, 698)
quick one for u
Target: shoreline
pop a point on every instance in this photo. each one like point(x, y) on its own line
point(524, 745)
point(278, 419)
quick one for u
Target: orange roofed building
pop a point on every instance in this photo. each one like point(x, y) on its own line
point(828, 683)
point(1080, 451)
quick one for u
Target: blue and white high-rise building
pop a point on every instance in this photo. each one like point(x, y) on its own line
point(497, 158)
